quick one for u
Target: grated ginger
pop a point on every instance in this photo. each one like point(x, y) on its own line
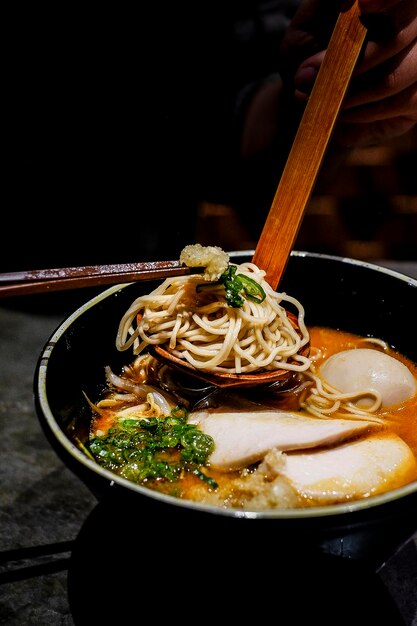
point(212, 258)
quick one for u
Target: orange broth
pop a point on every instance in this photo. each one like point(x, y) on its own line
point(400, 419)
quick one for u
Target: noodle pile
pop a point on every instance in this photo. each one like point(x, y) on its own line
point(193, 320)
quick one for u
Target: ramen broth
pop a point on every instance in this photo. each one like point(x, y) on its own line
point(254, 486)
point(402, 419)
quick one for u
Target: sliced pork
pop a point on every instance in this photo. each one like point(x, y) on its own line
point(242, 438)
point(368, 466)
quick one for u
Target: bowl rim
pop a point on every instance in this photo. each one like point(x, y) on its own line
point(321, 511)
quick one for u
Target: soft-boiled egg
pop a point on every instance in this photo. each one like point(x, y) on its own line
point(355, 370)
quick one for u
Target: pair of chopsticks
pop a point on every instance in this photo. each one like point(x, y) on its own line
point(291, 198)
point(30, 282)
point(23, 563)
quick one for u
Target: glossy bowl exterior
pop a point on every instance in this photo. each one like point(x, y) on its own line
point(341, 293)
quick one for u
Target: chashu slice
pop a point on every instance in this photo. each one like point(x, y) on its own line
point(368, 466)
point(242, 438)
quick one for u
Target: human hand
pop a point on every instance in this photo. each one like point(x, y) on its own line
point(381, 102)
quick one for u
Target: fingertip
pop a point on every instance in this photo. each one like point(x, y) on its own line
point(304, 78)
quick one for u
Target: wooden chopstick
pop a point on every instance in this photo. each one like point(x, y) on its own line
point(22, 563)
point(299, 175)
point(47, 280)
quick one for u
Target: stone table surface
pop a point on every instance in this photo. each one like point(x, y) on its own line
point(42, 503)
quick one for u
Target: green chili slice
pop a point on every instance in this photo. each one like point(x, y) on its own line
point(235, 284)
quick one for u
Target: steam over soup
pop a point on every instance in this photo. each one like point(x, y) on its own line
point(341, 426)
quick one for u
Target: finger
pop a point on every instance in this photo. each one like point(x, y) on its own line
point(388, 35)
point(308, 33)
point(365, 135)
point(307, 73)
point(377, 6)
point(391, 78)
point(402, 104)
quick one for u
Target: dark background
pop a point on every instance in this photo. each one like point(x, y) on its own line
point(119, 141)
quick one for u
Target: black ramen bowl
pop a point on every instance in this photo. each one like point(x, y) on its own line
point(337, 292)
